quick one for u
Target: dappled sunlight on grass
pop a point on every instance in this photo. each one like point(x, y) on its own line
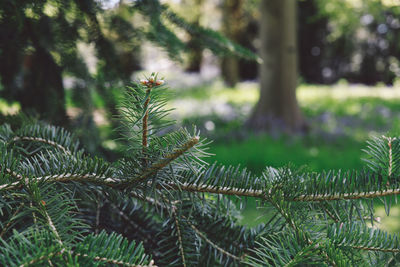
point(389, 223)
point(9, 108)
point(257, 152)
point(344, 91)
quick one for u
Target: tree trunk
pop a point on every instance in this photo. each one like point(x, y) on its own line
point(195, 57)
point(43, 90)
point(233, 25)
point(277, 108)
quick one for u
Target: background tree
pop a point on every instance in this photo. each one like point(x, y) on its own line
point(195, 51)
point(277, 106)
point(233, 26)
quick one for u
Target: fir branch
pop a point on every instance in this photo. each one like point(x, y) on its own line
point(51, 224)
point(129, 221)
point(283, 208)
point(343, 196)
point(392, 250)
point(42, 140)
point(191, 187)
point(359, 236)
point(98, 208)
point(113, 261)
point(96, 258)
point(178, 230)
point(163, 162)
point(332, 216)
point(11, 220)
point(33, 213)
point(13, 174)
point(101, 180)
point(204, 237)
point(42, 258)
point(264, 195)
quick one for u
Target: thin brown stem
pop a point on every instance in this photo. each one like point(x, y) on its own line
point(178, 230)
point(165, 161)
point(393, 250)
point(42, 140)
point(145, 127)
point(264, 194)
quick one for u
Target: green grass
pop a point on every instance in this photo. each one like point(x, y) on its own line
point(259, 151)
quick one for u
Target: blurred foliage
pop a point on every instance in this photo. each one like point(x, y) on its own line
point(90, 48)
point(356, 40)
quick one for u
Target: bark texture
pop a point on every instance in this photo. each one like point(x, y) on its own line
point(277, 108)
point(233, 25)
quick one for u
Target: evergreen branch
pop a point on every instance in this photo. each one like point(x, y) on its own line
point(283, 208)
point(204, 237)
point(217, 190)
point(13, 174)
point(264, 195)
point(51, 224)
point(392, 250)
point(390, 165)
point(163, 162)
point(96, 258)
point(42, 140)
point(65, 178)
point(178, 230)
point(113, 261)
point(283, 249)
point(101, 180)
point(45, 134)
point(129, 221)
point(98, 207)
point(112, 182)
point(359, 236)
point(332, 216)
point(11, 220)
point(343, 196)
point(42, 258)
point(33, 213)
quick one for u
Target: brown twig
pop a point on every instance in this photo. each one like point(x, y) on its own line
point(145, 126)
point(42, 140)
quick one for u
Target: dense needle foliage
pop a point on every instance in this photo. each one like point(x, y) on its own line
point(162, 205)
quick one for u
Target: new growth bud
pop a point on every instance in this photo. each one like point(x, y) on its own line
point(159, 82)
point(151, 81)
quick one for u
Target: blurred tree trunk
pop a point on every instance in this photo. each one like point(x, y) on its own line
point(43, 90)
point(277, 107)
point(196, 51)
point(233, 25)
